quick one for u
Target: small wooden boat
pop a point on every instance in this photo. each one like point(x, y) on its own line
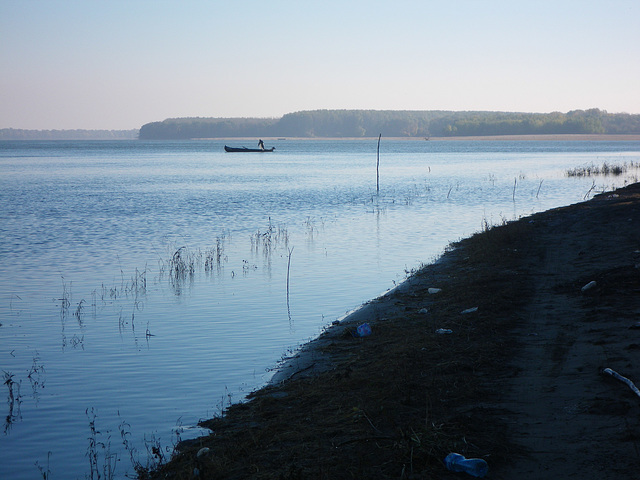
point(245, 149)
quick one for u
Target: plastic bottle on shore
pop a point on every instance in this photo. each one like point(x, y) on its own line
point(473, 466)
point(363, 330)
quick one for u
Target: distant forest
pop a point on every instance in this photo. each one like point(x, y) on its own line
point(19, 134)
point(395, 123)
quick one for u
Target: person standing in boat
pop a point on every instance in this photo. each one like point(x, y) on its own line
point(260, 144)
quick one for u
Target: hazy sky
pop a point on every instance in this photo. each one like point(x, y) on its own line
point(118, 64)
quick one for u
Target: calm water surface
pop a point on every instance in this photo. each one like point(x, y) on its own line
point(143, 284)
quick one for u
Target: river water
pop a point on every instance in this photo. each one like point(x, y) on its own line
point(145, 285)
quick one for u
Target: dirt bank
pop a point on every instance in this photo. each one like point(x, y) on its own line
point(518, 380)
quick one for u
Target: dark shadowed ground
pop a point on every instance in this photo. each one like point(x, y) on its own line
point(518, 381)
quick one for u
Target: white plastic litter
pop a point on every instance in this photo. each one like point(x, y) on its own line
point(589, 286)
point(423, 311)
point(469, 310)
point(203, 451)
point(434, 290)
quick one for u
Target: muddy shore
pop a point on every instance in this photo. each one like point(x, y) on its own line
point(517, 377)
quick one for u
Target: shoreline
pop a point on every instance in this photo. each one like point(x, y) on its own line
point(309, 359)
point(516, 379)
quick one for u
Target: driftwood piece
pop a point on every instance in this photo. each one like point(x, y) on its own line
point(617, 376)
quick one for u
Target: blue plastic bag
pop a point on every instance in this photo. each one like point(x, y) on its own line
point(363, 330)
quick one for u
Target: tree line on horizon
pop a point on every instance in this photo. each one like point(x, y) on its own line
point(78, 134)
point(395, 123)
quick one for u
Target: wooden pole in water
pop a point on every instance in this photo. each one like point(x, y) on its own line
point(288, 271)
point(378, 167)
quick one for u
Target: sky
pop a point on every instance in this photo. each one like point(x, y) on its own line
point(119, 64)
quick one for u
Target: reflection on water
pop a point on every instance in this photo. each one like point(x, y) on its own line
point(146, 285)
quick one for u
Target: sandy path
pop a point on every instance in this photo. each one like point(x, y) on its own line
point(570, 419)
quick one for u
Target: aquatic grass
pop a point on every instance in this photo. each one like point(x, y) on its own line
point(36, 376)
point(45, 472)
point(271, 238)
point(79, 312)
point(122, 322)
point(182, 267)
point(102, 462)
point(182, 263)
point(312, 227)
point(185, 262)
point(138, 284)
point(65, 300)
point(125, 433)
point(13, 400)
point(156, 453)
point(135, 287)
point(215, 257)
point(605, 169)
